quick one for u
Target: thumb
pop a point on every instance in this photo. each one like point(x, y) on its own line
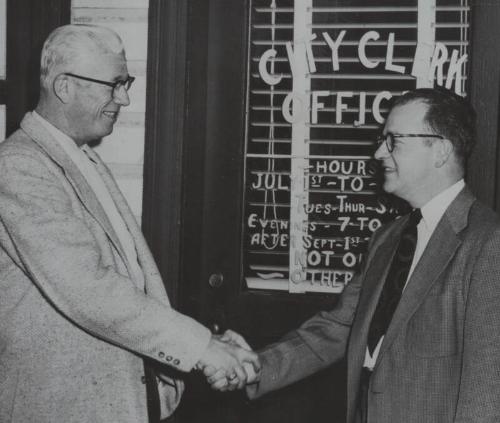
point(232, 336)
point(252, 358)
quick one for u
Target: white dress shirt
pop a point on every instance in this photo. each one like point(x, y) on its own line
point(432, 212)
point(89, 171)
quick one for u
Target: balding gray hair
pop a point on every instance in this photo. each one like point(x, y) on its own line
point(68, 46)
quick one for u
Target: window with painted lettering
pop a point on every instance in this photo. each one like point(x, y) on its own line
point(320, 77)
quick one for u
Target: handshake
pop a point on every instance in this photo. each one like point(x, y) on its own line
point(229, 363)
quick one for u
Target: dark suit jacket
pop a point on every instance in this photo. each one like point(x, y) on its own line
point(440, 359)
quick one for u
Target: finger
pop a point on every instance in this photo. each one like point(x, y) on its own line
point(220, 385)
point(209, 371)
point(241, 376)
point(218, 375)
point(232, 384)
point(235, 381)
point(252, 358)
point(233, 336)
point(242, 382)
point(225, 337)
point(252, 376)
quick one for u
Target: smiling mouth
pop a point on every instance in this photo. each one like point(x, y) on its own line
point(111, 115)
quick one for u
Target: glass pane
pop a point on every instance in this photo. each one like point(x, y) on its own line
point(311, 191)
point(3, 37)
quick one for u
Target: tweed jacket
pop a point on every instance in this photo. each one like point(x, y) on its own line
point(440, 359)
point(74, 326)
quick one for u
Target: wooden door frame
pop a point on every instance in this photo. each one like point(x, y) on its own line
point(174, 148)
point(164, 137)
point(173, 166)
point(484, 86)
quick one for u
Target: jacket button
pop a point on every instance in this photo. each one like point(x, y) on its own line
point(143, 379)
point(161, 354)
point(176, 362)
point(169, 358)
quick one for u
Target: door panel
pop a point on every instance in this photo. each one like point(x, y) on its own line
point(261, 316)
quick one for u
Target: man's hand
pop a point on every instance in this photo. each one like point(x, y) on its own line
point(235, 338)
point(225, 362)
point(220, 380)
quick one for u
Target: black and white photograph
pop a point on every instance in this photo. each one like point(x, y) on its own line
point(249, 211)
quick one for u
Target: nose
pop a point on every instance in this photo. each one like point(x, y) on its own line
point(381, 151)
point(121, 96)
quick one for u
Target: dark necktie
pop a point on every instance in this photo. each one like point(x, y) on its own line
point(395, 281)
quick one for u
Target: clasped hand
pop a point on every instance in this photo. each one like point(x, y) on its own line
point(229, 363)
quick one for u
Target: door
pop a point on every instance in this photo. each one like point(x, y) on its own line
point(287, 192)
point(221, 297)
point(260, 202)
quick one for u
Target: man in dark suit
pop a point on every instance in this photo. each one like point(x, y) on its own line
point(420, 323)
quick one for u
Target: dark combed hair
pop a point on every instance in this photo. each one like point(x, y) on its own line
point(448, 114)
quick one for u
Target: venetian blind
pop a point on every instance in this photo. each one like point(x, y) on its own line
point(320, 77)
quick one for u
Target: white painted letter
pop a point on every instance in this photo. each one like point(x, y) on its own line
point(298, 107)
point(390, 55)
point(291, 58)
point(264, 74)
point(316, 105)
point(334, 47)
point(376, 105)
point(455, 69)
point(341, 106)
point(422, 63)
point(438, 60)
point(362, 109)
point(370, 35)
point(310, 56)
point(299, 48)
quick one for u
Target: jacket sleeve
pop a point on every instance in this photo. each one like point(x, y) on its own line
point(316, 344)
point(480, 378)
point(56, 249)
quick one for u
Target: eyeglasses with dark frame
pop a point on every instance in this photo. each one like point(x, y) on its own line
point(125, 83)
point(390, 139)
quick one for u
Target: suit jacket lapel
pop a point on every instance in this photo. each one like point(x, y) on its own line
point(439, 251)
point(372, 287)
point(44, 139)
point(144, 256)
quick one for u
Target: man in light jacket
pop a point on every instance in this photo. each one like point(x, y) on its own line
point(81, 299)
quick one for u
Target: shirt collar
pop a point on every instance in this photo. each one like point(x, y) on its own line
point(434, 209)
point(67, 144)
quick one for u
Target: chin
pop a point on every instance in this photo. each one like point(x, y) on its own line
point(388, 187)
point(105, 132)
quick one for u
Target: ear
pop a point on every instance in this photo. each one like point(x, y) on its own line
point(443, 149)
point(61, 87)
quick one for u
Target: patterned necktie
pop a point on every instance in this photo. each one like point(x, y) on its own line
point(395, 281)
